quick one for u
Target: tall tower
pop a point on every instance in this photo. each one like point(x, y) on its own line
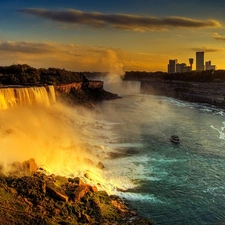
point(191, 61)
point(199, 61)
point(172, 65)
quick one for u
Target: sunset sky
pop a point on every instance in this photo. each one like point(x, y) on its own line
point(103, 35)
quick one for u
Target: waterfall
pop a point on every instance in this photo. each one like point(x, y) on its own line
point(132, 87)
point(51, 93)
point(14, 96)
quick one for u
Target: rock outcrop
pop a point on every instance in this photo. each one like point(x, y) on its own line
point(66, 88)
point(36, 198)
point(84, 93)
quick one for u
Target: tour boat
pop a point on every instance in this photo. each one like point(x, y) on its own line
point(175, 139)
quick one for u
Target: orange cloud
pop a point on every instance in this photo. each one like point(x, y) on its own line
point(219, 37)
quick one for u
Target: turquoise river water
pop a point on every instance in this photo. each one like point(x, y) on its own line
point(166, 182)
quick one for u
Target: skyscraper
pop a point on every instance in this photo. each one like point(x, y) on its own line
point(199, 61)
point(172, 65)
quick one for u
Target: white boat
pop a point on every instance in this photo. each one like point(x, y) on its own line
point(175, 139)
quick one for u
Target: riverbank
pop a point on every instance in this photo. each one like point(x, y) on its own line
point(202, 92)
point(29, 196)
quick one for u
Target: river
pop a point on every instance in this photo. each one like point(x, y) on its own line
point(166, 182)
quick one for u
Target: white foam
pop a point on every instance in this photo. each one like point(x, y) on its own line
point(140, 197)
point(221, 133)
point(126, 145)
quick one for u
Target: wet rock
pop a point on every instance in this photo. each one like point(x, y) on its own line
point(94, 189)
point(60, 196)
point(100, 165)
point(30, 165)
point(78, 181)
point(39, 199)
point(81, 191)
point(56, 192)
point(18, 168)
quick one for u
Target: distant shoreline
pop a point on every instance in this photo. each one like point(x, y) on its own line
point(210, 92)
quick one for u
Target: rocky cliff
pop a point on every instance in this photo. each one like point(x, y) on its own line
point(66, 88)
point(204, 92)
point(84, 93)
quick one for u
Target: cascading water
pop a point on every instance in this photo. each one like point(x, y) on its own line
point(132, 87)
point(51, 93)
point(14, 96)
point(121, 87)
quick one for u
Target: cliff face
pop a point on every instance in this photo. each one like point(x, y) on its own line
point(66, 88)
point(84, 93)
point(210, 92)
point(96, 84)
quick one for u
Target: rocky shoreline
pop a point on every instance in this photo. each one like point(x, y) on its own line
point(29, 196)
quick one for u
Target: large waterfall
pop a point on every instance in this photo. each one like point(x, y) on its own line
point(14, 96)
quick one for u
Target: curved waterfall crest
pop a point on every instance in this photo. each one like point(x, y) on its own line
point(15, 96)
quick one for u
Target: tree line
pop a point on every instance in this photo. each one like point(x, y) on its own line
point(192, 76)
point(25, 74)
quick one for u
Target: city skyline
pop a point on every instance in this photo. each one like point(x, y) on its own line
point(117, 36)
point(175, 66)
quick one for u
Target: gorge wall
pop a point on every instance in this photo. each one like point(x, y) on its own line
point(65, 88)
point(209, 92)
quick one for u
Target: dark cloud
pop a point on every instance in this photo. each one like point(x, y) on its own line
point(26, 47)
point(120, 21)
point(219, 37)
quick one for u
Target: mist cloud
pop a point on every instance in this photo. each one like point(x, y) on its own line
point(120, 21)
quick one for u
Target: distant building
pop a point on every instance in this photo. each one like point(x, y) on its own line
point(172, 66)
point(182, 68)
point(199, 61)
point(208, 66)
point(191, 61)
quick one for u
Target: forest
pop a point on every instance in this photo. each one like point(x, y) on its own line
point(25, 74)
point(193, 76)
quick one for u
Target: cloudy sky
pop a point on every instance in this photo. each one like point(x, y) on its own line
point(98, 35)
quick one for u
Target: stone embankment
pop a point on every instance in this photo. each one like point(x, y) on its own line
point(211, 92)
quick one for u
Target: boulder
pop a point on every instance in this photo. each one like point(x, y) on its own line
point(56, 192)
point(30, 165)
point(81, 191)
point(100, 165)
